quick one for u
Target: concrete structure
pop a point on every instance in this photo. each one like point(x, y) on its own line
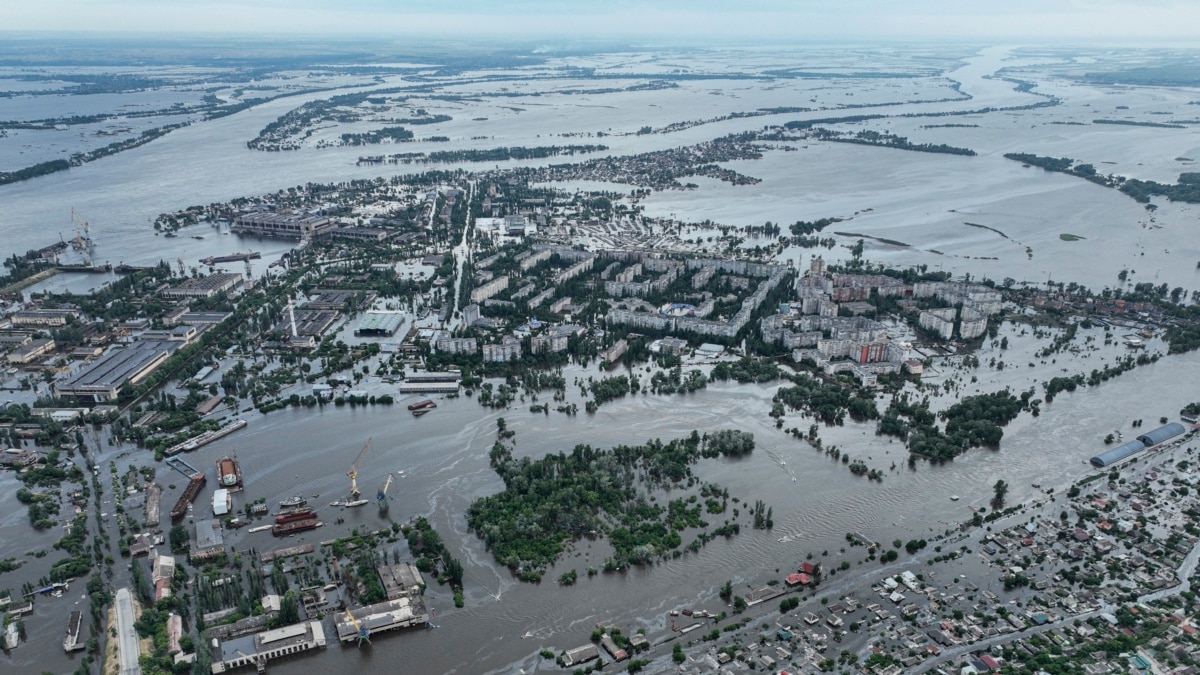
point(938, 321)
point(257, 649)
point(102, 381)
point(427, 388)
point(457, 345)
point(361, 233)
point(205, 287)
point(222, 502)
point(509, 349)
point(282, 225)
point(489, 289)
point(128, 650)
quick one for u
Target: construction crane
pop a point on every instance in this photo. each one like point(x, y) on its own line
point(364, 634)
point(353, 472)
point(381, 497)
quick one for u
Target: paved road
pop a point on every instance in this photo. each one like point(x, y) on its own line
point(127, 640)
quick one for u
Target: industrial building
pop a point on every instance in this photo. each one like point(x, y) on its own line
point(282, 225)
point(102, 380)
point(205, 287)
point(403, 612)
point(257, 649)
point(1146, 440)
point(379, 324)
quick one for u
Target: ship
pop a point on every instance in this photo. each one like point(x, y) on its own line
point(422, 411)
point(293, 501)
point(189, 495)
point(293, 516)
point(349, 503)
point(422, 405)
point(285, 529)
point(229, 474)
point(233, 257)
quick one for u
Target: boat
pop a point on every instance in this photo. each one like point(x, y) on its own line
point(292, 516)
point(229, 473)
point(293, 501)
point(953, 498)
point(189, 495)
point(349, 503)
point(422, 405)
point(285, 529)
point(422, 411)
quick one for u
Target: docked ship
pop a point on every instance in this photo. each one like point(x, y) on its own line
point(229, 474)
point(292, 502)
point(189, 495)
point(350, 503)
point(284, 529)
point(422, 405)
point(295, 515)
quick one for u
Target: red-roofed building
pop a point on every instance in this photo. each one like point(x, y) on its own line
point(989, 662)
point(808, 568)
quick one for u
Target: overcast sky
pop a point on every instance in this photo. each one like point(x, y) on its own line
point(734, 19)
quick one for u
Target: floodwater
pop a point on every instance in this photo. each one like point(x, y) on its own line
point(919, 199)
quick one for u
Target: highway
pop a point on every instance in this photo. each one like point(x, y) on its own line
point(127, 639)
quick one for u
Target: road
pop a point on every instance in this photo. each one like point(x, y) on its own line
point(127, 640)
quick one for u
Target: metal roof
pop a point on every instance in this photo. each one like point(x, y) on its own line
point(1118, 453)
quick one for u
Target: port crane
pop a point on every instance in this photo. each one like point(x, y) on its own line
point(364, 633)
point(381, 497)
point(353, 472)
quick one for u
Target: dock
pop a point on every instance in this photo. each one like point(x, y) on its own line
point(205, 438)
point(153, 498)
point(195, 484)
point(71, 642)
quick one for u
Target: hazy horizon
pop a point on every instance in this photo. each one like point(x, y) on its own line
point(591, 20)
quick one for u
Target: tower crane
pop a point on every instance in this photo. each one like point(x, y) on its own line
point(364, 633)
point(353, 472)
point(381, 497)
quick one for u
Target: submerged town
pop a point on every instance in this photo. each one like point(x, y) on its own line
point(517, 397)
point(413, 292)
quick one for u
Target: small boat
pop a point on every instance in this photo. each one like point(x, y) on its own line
point(953, 498)
point(418, 413)
point(294, 501)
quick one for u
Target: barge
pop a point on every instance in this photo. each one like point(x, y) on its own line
point(189, 495)
point(71, 641)
point(233, 257)
point(229, 474)
point(205, 438)
point(293, 516)
point(422, 405)
point(285, 529)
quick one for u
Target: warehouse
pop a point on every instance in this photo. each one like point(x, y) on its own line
point(1118, 453)
point(1161, 434)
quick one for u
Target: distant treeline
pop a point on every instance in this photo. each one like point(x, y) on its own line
point(494, 154)
point(1132, 123)
point(34, 171)
point(1187, 189)
point(890, 141)
point(378, 136)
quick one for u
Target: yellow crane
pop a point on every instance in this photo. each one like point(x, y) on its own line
point(353, 472)
point(364, 634)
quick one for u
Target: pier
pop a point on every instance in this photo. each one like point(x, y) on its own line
point(205, 438)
